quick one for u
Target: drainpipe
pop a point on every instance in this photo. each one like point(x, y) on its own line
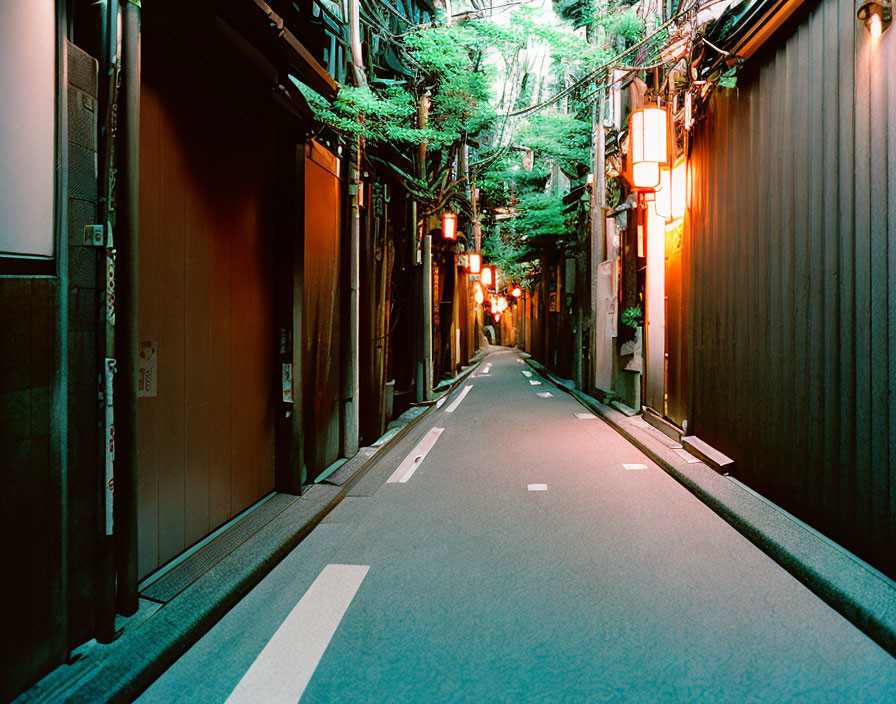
point(126, 296)
point(352, 373)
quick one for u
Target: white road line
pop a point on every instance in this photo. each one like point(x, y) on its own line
point(544, 394)
point(284, 667)
point(441, 402)
point(537, 487)
point(585, 416)
point(410, 463)
point(634, 466)
point(460, 397)
point(526, 373)
point(534, 383)
point(486, 368)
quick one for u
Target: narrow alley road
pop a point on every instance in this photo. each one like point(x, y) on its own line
point(514, 548)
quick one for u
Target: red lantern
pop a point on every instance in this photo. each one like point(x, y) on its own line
point(486, 276)
point(516, 292)
point(449, 225)
point(478, 295)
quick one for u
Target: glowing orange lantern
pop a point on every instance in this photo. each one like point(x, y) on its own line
point(502, 304)
point(449, 225)
point(494, 306)
point(647, 146)
point(486, 276)
point(516, 292)
point(497, 317)
point(474, 261)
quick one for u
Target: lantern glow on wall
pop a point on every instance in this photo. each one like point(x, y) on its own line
point(478, 295)
point(449, 225)
point(474, 263)
point(648, 146)
point(486, 276)
point(671, 195)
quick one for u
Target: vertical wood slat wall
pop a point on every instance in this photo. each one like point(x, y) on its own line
point(206, 294)
point(791, 264)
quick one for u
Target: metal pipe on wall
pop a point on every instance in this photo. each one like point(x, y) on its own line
point(126, 294)
point(352, 373)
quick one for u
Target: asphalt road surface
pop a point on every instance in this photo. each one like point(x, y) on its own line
point(507, 550)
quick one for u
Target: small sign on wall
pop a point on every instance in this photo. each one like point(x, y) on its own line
point(147, 369)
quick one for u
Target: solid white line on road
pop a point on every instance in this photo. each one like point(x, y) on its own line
point(634, 466)
point(284, 667)
point(441, 402)
point(460, 397)
point(537, 487)
point(534, 383)
point(410, 463)
point(527, 373)
point(585, 416)
point(544, 394)
point(685, 455)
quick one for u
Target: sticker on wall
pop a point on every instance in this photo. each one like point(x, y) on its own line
point(147, 360)
point(287, 383)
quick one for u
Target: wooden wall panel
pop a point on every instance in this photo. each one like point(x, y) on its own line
point(790, 249)
point(322, 305)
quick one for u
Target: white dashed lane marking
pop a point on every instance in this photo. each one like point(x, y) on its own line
point(284, 667)
point(460, 397)
point(410, 463)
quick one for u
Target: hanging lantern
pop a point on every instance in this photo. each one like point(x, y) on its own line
point(474, 262)
point(502, 304)
point(516, 292)
point(671, 195)
point(478, 295)
point(497, 317)
point(449, 225)
point(486, 276)
point(494, 306)
point(647, 146)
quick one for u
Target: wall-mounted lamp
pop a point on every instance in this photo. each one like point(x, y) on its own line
point(449, 225)
point(876, 14)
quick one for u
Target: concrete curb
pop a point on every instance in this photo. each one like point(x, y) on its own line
point(120, 671)
point(857, 591)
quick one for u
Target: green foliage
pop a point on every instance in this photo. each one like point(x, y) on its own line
point(579, 12)
point(633, 317)
point(624, 24)
point(562, 138)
